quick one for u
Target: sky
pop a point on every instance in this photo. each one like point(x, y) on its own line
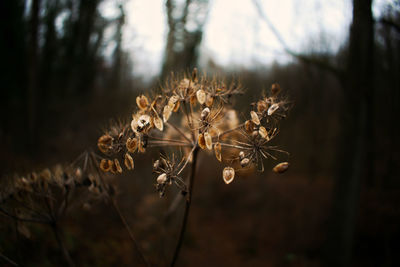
point(234, 34)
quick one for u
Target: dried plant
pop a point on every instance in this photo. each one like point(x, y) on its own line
point(189, 114)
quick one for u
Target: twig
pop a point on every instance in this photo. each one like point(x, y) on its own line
point(187, 208)
point(4, 257)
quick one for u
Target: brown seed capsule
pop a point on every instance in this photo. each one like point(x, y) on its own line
point(275, 89)
point(228, 174)
point(272, 109)
point(261, 106)
point(162, 178)
point(142, 102)
point(281, 167)
point(217, 150)
point(105, 165)
point(128, 161)
point(201, 141)
point(201, 96)
point(204, 113)
point(263, 132)
point(167, 113)
point(105, 143)
point(131, 144)
point(158, 123)
point(208, 140)
point(249, 126)
point(209, 100)
point(244, 162)
point(116, 167)
point(254, 118)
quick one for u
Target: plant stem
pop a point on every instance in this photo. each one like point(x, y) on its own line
point(61, 244)
point(187, 208)
point(125, 223)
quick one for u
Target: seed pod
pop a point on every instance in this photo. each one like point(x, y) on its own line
point(208, 140)
point(272, 109)
point(201, 141)
point(281, 167)
point(177, 105)
point(105, 165)
point(116, 167)
point(254, 118)
point(228, 174)
point(142, 102)
point(45, 175)
point(261, 106)
point(209, 100)
point(131, 144)
point(105, 143)
point(201, 96)
point(217, 150)
point(162, 178)
point(128, 161)
point(143, 121)
point(254, 134)
point(248, 126)
point(275, 89)
point(156, 165)
point(172, 101)
point(205, 113)
point(158, 123)
point(167, 113)
point(263, 132)
point(244, 162)
point(193, 99)
point(241, 155)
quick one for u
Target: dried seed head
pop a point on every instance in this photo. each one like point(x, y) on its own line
point(142, 102)
point(281, 167)
point(105, 165)
point(131, 144)
point(205, 113)
point(249, 126)
point(261, 106)
point(105, 143)
point(167, 113)
point(228, 174)
point(128, 161)
point(208, 140)
point(275, 89)
point(217, 150)
point(244, 162)
point(158, 123)
point(201, 96)
point(272, 109)
point(254, 118)
point(241, 155)
point(263, 132)
point(162, 178)
point(201, 141)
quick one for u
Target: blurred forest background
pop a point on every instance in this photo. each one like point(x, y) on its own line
point(338, 205)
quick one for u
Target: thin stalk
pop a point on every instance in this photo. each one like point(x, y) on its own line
point(179, 131)
point(61, 244)
point(128, 229)
point(187, 208)
point(4, 257)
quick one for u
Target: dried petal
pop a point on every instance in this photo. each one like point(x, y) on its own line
point(128, 161)
point(272, 109)
point(142, 102)
point(281, 167)
point(131, 144)
point(202, 141)
point(254, 118)
point(208, 140)
point(228, 174)
point(105, 165)
point(162, 178)
point(167, 113)
point(217, 150)
point(201, 96)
